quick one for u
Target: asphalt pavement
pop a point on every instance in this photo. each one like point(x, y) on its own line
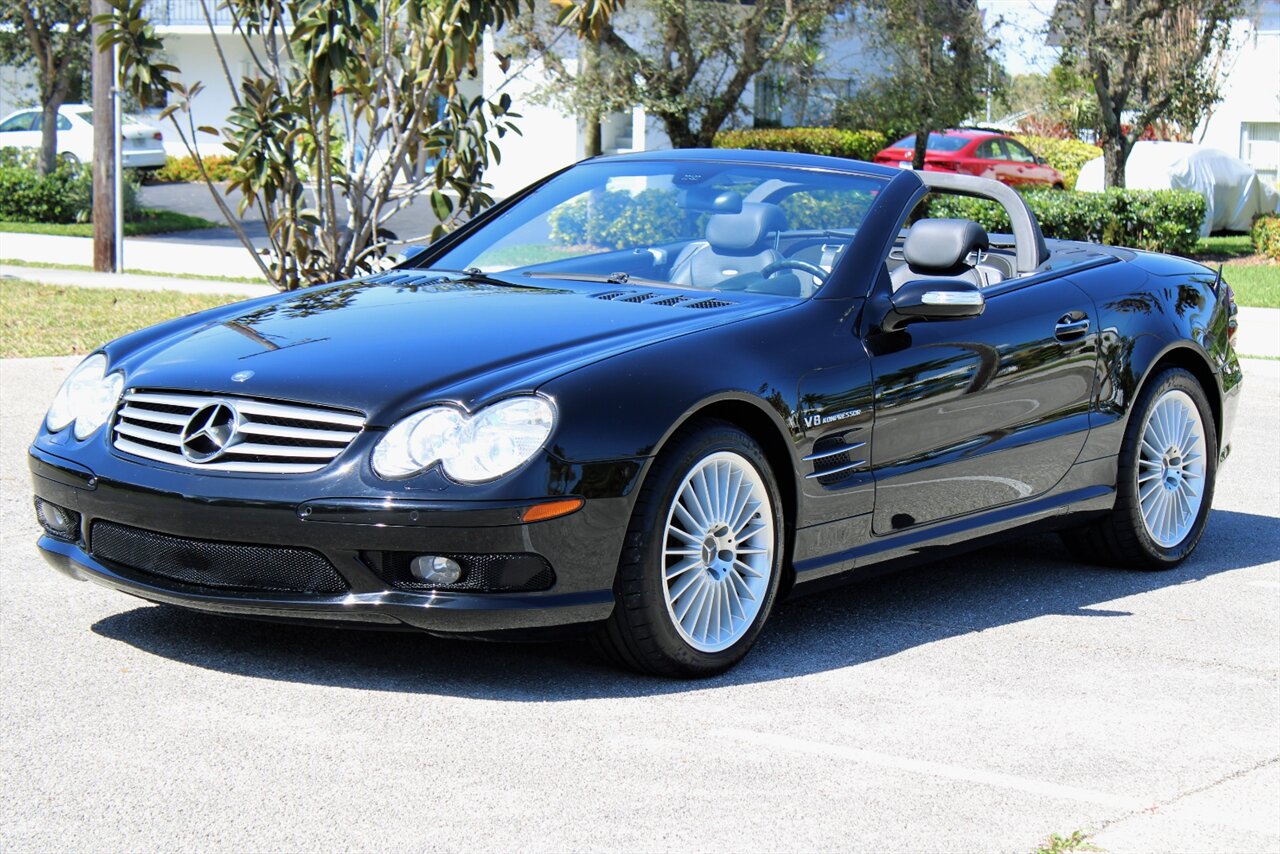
point(978, 704)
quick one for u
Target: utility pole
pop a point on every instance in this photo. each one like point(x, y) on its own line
point(105, 142)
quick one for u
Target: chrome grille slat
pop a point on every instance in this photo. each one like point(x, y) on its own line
point(179, 460)
point(147, 426)
point(172, 439)
point(154, 415)
point(834, 471)
point(283, 432)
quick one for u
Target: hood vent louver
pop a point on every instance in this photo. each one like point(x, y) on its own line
point(648, 298)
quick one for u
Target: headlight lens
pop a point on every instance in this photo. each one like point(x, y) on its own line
point(493, 442)
point(87, 397)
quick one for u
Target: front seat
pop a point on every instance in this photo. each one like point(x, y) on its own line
point(736, 243)
point(939, 249)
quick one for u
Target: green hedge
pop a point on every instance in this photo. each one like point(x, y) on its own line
point(64, 195)
point(1265, 235)
point(1065, 155)
point(184, 169)
point(833, 142)
point(1156, 220)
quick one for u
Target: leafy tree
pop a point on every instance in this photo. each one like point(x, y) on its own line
point(687, 62)
point(939, 50)
point(54, 36)
point(360, 97)
point(1146, 61)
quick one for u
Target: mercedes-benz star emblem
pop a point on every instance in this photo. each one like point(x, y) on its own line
point(210, 430)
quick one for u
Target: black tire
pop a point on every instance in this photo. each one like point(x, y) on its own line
point(641, 634)
point(1120, 538)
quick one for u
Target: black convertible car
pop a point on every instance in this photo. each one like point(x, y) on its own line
point(647, 397)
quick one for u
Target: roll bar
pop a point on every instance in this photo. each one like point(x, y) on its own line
point(1029, 247)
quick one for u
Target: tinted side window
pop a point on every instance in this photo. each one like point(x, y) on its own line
point(987, 151)
point(64, 123)
point(1019, 153)
point(22, 121)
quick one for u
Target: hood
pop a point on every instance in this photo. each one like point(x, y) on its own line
point(383, 345)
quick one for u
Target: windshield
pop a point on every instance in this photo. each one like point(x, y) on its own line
point(702, 225)
point(937, 142)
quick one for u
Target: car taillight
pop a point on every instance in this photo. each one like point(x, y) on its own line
point(944, 165)
point(157, 135)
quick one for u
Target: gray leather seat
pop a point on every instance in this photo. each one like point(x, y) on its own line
point(938, 249)
point(736, 243)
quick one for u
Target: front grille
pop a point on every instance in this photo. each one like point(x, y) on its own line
point(481, 573)
point(224, 566)
point(265, 436)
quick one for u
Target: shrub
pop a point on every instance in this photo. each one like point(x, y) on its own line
point(1265, 235)
point(1065, 155)
point(1156, 220)
point(184, 170)
point(64, 195)
point(833, 142)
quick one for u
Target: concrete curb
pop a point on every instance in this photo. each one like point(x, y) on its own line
point(133, 281)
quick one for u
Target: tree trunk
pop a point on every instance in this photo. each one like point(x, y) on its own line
point(922, 145)
point(678, 131)
point(104, 156)
point(593, 144)
point(48, 159)
point(1113, 163)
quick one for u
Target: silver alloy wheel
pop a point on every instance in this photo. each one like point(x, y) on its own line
point(1171, 468)
point(718, 551)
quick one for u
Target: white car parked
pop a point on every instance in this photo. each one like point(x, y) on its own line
point(143, 145)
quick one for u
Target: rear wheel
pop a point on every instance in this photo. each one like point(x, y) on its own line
point(1166, 473)
point(701, 562)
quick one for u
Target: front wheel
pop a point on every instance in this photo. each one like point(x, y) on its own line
point(1166, 472)
point(702, 557)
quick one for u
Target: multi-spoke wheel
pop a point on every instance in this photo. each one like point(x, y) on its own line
point(1165, 480)
point(1171, 465)
point(718, 559)
point(701, 564)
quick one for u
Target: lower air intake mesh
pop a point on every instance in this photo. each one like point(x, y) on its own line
point(226, 566)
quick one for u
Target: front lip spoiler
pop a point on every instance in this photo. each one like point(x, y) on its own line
point(449, 613)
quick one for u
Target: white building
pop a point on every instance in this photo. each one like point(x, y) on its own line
point(1247, 121)
point(551, 139)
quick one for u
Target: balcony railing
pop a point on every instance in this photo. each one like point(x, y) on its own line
point(186, 13)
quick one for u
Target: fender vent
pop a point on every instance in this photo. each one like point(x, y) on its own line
point(836, 457)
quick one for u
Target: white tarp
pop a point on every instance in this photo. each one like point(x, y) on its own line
point(1230, 186)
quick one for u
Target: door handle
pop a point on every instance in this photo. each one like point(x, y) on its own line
point(1070, 326)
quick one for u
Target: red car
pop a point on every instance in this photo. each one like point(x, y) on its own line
point(975, 152)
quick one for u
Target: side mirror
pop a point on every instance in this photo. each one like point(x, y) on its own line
point(933, 299)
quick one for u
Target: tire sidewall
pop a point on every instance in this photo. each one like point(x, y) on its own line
point(669, 472)
point(1170, 380)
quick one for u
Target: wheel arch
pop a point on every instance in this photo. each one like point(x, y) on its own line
point(755, 418)
point(1195, 363)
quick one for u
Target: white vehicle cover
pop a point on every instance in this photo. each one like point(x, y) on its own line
point(1230, 186)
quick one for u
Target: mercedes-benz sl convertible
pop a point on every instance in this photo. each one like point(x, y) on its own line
point(645, 399)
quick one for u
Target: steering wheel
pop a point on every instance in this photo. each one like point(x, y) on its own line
point(795, 264)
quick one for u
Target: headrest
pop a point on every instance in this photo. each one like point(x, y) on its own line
point(743, 232)
point(942, 244)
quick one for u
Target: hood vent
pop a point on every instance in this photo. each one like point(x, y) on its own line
point(649, 298)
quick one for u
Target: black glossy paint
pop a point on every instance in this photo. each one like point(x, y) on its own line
point(969, 427)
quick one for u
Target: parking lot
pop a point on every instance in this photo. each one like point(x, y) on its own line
point(978, 704)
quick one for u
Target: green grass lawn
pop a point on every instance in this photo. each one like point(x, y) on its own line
point(149, 222)
point(1255, 285)
point(52, 320)
point(1225, 247)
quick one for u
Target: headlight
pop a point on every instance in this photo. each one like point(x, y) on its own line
point(493, 442)
point(87, 397)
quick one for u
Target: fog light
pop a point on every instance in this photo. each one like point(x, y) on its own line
point(433, 569)
point(58, 522)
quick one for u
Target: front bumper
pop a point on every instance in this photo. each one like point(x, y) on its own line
point(581, 548)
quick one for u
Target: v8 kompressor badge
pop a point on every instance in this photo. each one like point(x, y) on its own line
point(817, 419)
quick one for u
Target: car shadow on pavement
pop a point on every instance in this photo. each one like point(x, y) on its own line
point(1016, 581)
